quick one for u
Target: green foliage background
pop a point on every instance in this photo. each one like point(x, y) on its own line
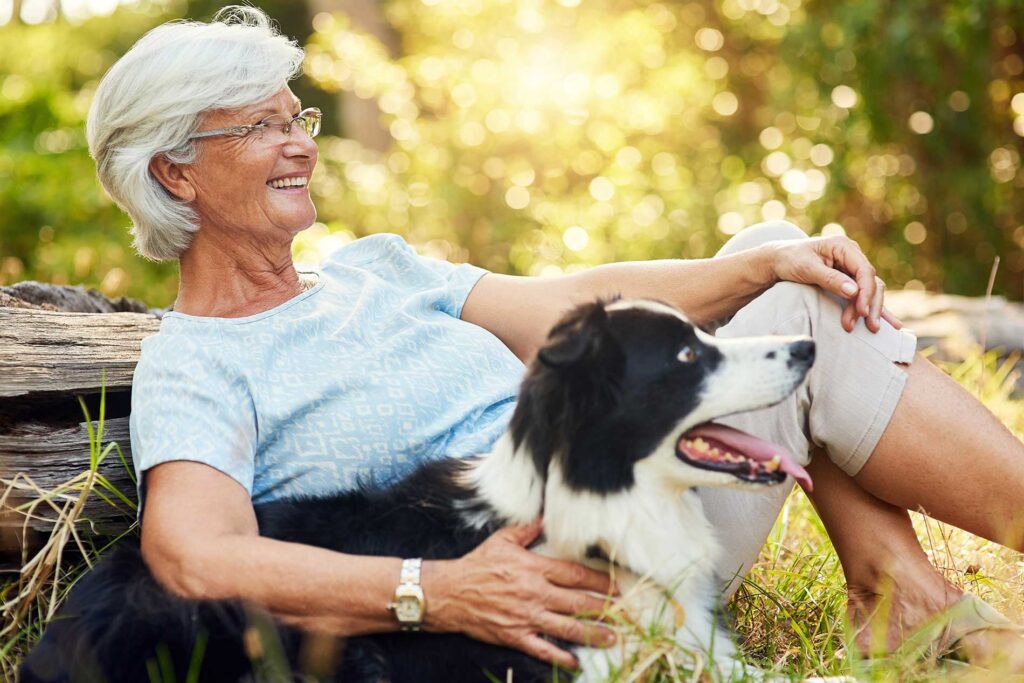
point(542, 136)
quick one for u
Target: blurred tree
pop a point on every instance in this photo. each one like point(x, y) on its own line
point(57, 224)
point(542, 136)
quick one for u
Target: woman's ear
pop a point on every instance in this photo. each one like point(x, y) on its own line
point(170, 175)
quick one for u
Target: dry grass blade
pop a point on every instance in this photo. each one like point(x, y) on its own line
point(32, 597)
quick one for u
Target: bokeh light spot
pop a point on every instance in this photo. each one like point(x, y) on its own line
point(776, 163)
point(921, 122)
point(959, 101)
point(710, 39)
point(725, 103)
point(731, 222)
point(844, 96)
point(576, 238)
point(770, 137)
point(915, 232)
point(821, 155)
point(601, 189)
point(773, 210)
point(517, 197)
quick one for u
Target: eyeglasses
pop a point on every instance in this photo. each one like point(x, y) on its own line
point(308, 120)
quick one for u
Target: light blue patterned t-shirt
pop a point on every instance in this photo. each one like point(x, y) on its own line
point(362, 376)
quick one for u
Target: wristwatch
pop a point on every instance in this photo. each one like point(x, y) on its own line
point(409, 605)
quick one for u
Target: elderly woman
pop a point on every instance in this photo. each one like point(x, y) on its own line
point(266, 382)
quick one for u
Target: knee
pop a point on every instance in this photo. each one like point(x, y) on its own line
point(759, 233)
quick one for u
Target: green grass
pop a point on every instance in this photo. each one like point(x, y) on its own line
point(791, 608)
point(790, 611)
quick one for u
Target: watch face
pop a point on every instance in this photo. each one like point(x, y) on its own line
point(408, 609)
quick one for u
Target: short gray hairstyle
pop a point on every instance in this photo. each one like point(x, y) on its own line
point(151, 100)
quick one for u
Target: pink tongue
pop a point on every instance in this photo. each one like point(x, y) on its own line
point(754, 448)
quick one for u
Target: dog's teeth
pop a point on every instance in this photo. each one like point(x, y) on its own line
point(701, 445)
point(773, 464)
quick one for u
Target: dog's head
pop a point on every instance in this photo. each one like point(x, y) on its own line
point(625, 389)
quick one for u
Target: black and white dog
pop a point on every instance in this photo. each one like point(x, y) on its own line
point(610, 436)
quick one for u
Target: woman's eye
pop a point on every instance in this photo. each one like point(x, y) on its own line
point(687, 355)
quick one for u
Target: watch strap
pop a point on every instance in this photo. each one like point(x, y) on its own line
point(409, 583)
point(411, 571)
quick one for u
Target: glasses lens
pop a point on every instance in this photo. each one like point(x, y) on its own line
point(310, 122)
point(272, 127)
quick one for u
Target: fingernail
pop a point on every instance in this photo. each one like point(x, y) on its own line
point(849, 288)
point(610, 639)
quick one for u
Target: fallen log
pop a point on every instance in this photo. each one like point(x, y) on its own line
point(50, 360)
point(52, 352)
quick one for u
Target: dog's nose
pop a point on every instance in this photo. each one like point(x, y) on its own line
point(802, 351)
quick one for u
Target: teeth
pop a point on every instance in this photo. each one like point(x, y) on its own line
point(289, 182)
point(701, 445)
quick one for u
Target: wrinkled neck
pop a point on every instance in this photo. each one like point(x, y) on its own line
point(227, 278)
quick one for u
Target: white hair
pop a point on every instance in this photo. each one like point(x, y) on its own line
point(151, 100)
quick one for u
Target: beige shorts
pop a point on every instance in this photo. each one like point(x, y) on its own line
point(843, 406)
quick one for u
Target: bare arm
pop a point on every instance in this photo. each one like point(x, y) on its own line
point(521, 310)
point(201, 540)
point(205, 544)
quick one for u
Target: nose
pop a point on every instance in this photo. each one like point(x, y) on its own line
point(299, 143)
point(802, 351)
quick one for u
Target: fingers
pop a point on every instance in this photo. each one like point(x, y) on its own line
point(870, 295)
point(545, 650)
point(576, 603)
point(522, 535)
point(857, 264)
point(876, 306)
point(849, 316)
point(575, 575)
point(576, 631)
point(893, 320)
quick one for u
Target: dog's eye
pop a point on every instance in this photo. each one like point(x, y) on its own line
point(687, 355)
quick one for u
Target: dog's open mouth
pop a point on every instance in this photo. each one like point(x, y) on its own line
point(724, 449)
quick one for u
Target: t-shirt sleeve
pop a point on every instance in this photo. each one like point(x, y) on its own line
point(393, 259)
point(188, 404)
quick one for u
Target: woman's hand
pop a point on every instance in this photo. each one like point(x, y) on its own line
point(829, 262)
point(504, 594)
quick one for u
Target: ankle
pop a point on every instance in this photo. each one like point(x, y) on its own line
point(914, 582)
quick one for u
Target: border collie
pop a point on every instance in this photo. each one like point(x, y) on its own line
point(610, 436)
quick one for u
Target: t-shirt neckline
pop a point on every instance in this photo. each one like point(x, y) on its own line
point(320, 281)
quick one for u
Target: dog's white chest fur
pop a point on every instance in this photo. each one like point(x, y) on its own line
point(660, 546)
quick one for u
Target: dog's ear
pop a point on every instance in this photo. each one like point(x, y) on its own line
point(573, 382)
point(575, 337)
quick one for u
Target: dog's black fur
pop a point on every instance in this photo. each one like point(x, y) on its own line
point(118, 618)
point(602, 394)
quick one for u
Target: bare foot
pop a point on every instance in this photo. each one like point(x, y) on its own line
point(885, 619)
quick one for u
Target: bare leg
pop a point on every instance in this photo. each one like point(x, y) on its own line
point(945, 453)
point(878, 549)
point(942, 452)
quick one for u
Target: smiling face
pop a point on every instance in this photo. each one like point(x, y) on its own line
point(253, 187)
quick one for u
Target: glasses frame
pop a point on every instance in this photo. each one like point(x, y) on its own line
point(286, 127)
